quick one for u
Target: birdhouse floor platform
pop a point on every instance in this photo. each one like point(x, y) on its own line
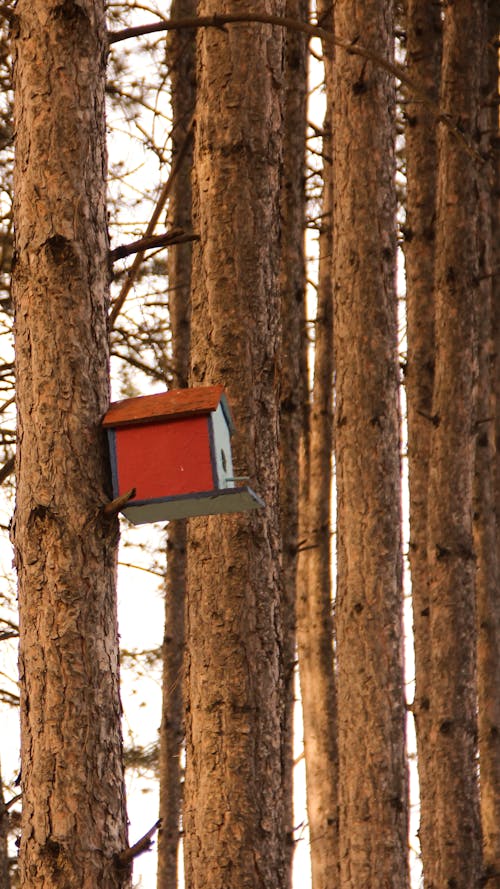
point(216, 502)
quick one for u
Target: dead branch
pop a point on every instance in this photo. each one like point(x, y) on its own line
point(143, 845)
point(114, 506)
point(325, 35)
point(7, 469)
point(174, 236)
point(160, 204)
point(12, 801)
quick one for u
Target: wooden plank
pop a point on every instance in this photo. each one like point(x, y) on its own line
point(169, 405)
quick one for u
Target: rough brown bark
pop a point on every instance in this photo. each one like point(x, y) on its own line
point(314, 617)
point(172, 721)
point(74, 819)
point(450, 548)
point(486, 476)
point(314, 601)
point(423, 47)
point(292, 285)
point(368, 615)
point(4, 834)
point(181, 50)
point(233, 796)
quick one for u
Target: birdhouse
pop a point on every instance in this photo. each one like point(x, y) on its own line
point(174, 449)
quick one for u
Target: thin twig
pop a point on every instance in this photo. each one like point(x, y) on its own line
point(142, 568)
point(12, 801)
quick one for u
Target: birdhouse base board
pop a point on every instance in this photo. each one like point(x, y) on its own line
point(228, 500)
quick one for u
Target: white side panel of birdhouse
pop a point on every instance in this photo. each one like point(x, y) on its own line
point(221, 448)
point(211, 503)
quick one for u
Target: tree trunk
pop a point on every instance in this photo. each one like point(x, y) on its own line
point(372, 769)
point(181, 50)
point(172, 721)
point(292, 285)
point(450, 548)
point(74, 819)
point(423, 47)
point(314, 601)
point(4, 835)
point(487, 473)
point(234, 673)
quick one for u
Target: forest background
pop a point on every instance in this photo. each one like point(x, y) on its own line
point(218, 166)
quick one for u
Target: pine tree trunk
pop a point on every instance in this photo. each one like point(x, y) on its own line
point(368, 615)
point(314, 615)
point(450, 547)
point(181, 49)
point(292, 285)
point(487, 475)
point(172, 721)
point(314, 602)
point(74, 819)
point(233, 796)
point(423, 47)
point(4, 834)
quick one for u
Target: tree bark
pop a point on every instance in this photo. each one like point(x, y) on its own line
point(234, 671)
point(423, 48)
point(292, 286)
point(314, 601)
point(487, 471)
point(4, 836)
point(453, 733)
point(172, 721)
point(368, 615)
point(74, 818)
point(181, 51)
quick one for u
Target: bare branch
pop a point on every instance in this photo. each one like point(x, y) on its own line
point(174, 236)
point(7, 469)
point(114, 506)
point(12, 801)
point(139, 258)
point(142, 845)
point(325, 35)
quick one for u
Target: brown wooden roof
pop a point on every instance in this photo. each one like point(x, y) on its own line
point(175, 403)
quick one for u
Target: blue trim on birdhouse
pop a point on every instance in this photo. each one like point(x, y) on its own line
point(211, 444)
point(197, 495)
point(227, 413)
point(113, 460)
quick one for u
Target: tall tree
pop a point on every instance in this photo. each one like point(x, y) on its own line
point(486, 516)
point(233, 814)
point(423, 53)
point(368, 613)
point(292, 377)
point(74, 819)
point(4, 835)
point(314, 600)
point(181, 48)
point(453, 705)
